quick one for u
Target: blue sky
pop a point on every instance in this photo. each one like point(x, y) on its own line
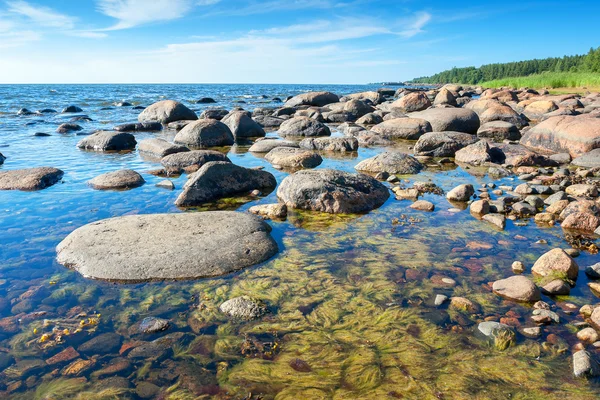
point(279, 41)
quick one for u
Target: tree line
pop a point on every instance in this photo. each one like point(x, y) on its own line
point(471, 75)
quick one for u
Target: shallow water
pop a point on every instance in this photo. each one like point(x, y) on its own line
point(350, 297)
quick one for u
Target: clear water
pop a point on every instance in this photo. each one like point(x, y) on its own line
point(351, 297)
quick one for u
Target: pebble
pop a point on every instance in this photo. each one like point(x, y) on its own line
point(440, 299)
point(518, 267)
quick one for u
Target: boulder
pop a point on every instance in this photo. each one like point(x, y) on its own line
point(166, 111)
point(556, 263)
point(205, 100)
point(585, 365)
point(318, 99)
point(205, 133)
point(479, 153)
point(373, 97)
point(268, 121)
point(370, 119)
point(68, 127)
point(517, 288)
point(402, 128)
point(266, 145)
point(504, 113)
point(591, 159)
point(412, 102)
point(450, 119)
point(191, 161)
point(442, 144)
point(357, 108)
point(582, 190)
point(291, 157)
point(242, 126)
point(117, 180)
point(218, 179)
point(481, 105)
point(270, 211)
point(499, 131)
point(423, 205)
point(391, 162)
point(108, 141)
point(518, 155)
point(462, 193)
point(303, 126)
point(30, 178)
point(340, 144)
point(332, 191)
point(152, 247)
point(584, 222)
point(564, 134)
point(537, 109)
point(139, 127)
point(71, 109)
point(217, 114)
point(160, 147)
point(443, 97)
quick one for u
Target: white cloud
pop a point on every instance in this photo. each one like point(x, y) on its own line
point(43, 16)
point(416, 26)
point(130, 13)
point(17, 38)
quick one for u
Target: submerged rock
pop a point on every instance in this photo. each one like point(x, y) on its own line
point(139, 127)
point(218, 179)
point(243, 307)
point(152, 325)
point(332, 191)
point(122, 179)
point(167, 246)
point(30, 178)
point(102, 344)
point(68, 127)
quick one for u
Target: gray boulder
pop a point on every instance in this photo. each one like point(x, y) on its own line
point(402, 128)
point(291, 157)
point(391, 162)
point(205, 133)
point(154, 247)
point(117, 180)
point(303, 126)
point(191, 161)
point(332, 191)
point(266, 145)
point(216, 180)
point(242, 126)
point(443, 144)
point(30, 178)
point(318, 99)
point(591, 159)
point(139, 127)
point(450, 119)
point(499, 131)
point(341, 144)
point(160, 147)
point(166, 111)
point(108, 141)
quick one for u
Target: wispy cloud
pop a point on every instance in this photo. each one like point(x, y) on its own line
point(416, 25)
point(264, 7)
point(130, 13)
point(42, 16)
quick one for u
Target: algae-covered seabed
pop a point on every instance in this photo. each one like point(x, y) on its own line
point(350, 299)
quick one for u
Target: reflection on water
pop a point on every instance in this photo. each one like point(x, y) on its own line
point(350, 297)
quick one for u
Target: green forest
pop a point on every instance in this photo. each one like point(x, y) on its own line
point(588, 63)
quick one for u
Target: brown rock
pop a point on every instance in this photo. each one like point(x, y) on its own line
point(556, 263)
point(518, 288)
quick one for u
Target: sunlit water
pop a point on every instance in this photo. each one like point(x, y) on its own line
point(350, 298)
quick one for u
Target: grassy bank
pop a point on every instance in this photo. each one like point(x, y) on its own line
point(550, 80)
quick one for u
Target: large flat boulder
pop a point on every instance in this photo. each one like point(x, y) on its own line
point(412, 102)
point(205, 133)
point(564, 134)
point(443, 144)
point(217, 179)
point(108, 141)
point(392, 162)
point(266, 145)
point(332, 191)
point(29, 178)
point(160, 147)
point(450, 119)
point(191, 161)
point(166, 111)
point(117, 180)
point(341, 144)
point(402, 128)
point(374, 97)
point(318, 99)
point(591, 159)
point(294, 158)
point(167, 246)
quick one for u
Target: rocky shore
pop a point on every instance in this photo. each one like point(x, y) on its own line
point(547, 146)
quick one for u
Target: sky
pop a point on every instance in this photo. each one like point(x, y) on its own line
point(279, 41)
